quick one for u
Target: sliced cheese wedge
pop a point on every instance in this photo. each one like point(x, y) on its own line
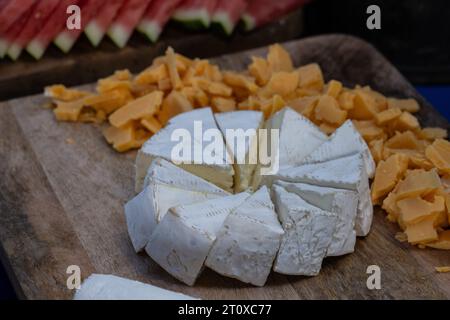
point(166, 186)
point(298, 137)
point(162, 144)
point(181, 242)
point(343, 173)
point(345, 141)
point(248, 241)
point(342, 202)
point(308, 233)
point(242, 146)
point(109, 287)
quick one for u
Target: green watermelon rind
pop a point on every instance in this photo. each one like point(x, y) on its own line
point(221, 20)
point(4, 44)
point(193, 19)
point(118, 34)
point(64, 41)
point(94, 33)
point(248, 21)
point(150, 28)
point(35, 49)
point(14, 51)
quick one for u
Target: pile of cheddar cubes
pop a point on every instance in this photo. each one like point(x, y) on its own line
point(412, 180)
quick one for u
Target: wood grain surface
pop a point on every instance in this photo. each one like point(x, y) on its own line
point(61, 202)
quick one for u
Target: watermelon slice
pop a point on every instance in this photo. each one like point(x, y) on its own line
point(55, 23)
point(156, 17)
point(12, 11)
point(260, 12)
point(36, 21)
point(66, 38)
point(195, 14)
point(9, 35)
point(126, 20)
point(227, 14)
point(97, 27)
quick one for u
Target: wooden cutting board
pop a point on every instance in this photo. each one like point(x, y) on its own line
point(62, 190)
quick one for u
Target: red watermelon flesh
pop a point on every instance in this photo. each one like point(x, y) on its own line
point(126, 20)
point(195, 13)
point(12, 11)
point(156, 17)
point(260, 12)
point(55, 23)
point(227, 14)
point(3, 3)
point(66, 38)
point(39, 16)
point(97, 27)
point(13, 31)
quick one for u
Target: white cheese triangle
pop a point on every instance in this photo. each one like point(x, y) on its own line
point(183, 238)
point(160, 146)
point(298, 137)
point(109, 287)
point(344, 173)
point(308, 233)
point(249, 122)
point(345, 141)
point(248, 241)
point(167, 186)
point(342, 202)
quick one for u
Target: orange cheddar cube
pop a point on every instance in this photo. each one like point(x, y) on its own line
point(328, 110)
point(422, 232)
point(432, 133)
point(387, 174)
point(282, 83)
point(122, 139)
point(68, 111)
point(369, 130)
point(137, 109)
point(418, 183)
point(304, 105)
point(364, 106)
point(260, 70)
point(443, 241)
point(173, 104)
point(60, 92)
point(172, 68)
point(234, 79)
point(439, 154)
point(333, 88)
point(279, 59)
point(413, 210)
point(388, 115)
point(376, 149)
point(151, 124)
point(152, 75)
point(346, 100)
point(310, 76)
point(221, 104)
point(409, 105)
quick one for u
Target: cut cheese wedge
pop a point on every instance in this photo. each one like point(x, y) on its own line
point(163, 144)
point(242, 144)
point(308, 233)
point(344, 173)
point(109, 287)
point(248, 241)
point(342, 202)
point(298, 137)
point(345, 141)
point(166, 186)
point(181, 242)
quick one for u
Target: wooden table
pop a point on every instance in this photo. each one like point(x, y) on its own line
point(61, 203)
